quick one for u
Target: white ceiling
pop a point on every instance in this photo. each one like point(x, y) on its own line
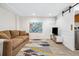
point(38, 9)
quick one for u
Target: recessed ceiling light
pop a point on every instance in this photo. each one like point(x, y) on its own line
point(50, 14)
point(34, 14)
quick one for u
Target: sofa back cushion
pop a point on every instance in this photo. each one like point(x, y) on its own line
point(4, 36)
point(22, 33)
point(14, 33)
point(7, 32)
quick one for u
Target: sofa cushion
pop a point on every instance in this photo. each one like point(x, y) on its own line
point(3, 36)
point(17, 41)
point(22, 33)
point(7, 32)
point(23, 37)
point(14, 33)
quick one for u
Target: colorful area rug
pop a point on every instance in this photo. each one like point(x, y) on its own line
point(36, 47)
point(37, 51)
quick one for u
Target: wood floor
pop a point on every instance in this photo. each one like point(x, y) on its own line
point(61, 50)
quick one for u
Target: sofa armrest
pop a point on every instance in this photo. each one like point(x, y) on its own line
point(7, 48)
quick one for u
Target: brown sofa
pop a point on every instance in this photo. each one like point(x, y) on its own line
point(14, 41)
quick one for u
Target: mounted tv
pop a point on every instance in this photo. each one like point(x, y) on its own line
point(55, 30)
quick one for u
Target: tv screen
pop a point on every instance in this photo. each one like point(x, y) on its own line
point(55, 30)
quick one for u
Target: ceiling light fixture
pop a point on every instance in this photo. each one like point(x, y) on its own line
point(50, 14)
point(33, 14)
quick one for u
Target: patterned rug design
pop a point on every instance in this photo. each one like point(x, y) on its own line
point(37, 51)
point(35, 48)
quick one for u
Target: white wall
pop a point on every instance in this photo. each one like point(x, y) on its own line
point(48, 23)
point(17, 20)
point(7, 19)
point(64, 23)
